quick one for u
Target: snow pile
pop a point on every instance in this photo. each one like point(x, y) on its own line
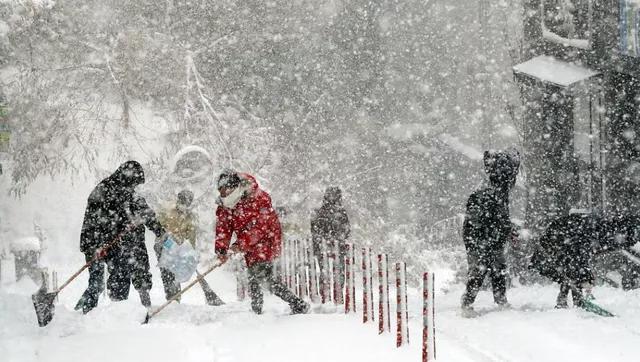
point(30, 243)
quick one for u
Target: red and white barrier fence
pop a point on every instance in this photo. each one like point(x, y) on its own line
point(350, 285)
point(314, 286)
point(367, 286)
point(384, 320)
point(402, 309)
point(428, 319)
point(338, 275)
point(322, 280)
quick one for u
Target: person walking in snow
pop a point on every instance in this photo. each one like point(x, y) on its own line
point(568, 245)
point(330, 229)
point(487, 228)
point(246, 211)
point(179, 220)
point(113, 230)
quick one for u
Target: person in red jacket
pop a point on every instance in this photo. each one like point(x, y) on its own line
point(246, 210)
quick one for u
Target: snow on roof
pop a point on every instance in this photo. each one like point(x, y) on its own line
point(549, 69)
point(30, 243)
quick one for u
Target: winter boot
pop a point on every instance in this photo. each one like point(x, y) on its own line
point(300, 307)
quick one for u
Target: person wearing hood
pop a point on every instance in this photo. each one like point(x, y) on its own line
point(567, 247)
point(330, 229)
point(487, 228)
point(246, 211)
point(113, 230)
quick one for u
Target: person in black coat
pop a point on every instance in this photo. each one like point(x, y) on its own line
point(113, 230)
point(487, 227)
point(330, 229)
point(567, 246)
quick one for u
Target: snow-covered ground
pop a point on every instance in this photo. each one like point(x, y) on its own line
point(191, 331)
point(531, 331)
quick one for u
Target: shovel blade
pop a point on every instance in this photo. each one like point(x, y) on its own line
point(146, 319)
point(43, 304)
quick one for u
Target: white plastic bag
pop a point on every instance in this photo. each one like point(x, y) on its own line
point(179, 259)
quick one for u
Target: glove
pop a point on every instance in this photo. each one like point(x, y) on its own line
point(100, 253)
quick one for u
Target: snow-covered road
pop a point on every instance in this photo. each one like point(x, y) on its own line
point(531, 331)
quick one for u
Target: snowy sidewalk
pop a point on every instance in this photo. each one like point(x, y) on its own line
point(532, 331)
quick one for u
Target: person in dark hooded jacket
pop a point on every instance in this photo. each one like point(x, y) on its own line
point(330, 229)
point(568, 245)
point(487, 227)
point(113, 230)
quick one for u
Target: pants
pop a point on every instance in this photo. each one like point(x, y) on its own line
point(490, 262)
point(576, 295)
point(89, 299)
point(262, 272)
point(128, 264)
point(325, 271)
point(171, 287)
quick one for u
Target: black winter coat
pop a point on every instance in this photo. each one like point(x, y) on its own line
point(568, 244)
point(330, 225)
point(113, 206)
point(487, 225)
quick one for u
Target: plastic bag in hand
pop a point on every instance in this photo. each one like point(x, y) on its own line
point(180, 259)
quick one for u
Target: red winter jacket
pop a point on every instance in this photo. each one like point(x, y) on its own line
point(255, 223)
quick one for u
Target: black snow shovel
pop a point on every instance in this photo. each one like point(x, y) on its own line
point(210, 296)
point(199, 279)
point(43, 300)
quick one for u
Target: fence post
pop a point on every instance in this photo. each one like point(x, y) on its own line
point(297, 282)
point(402, 313)
point(384, 323)
point(367, 287)
point(54, 281)
point(428, 316)
point(304, 265)
point(325, 286)
point(350, 293)
point(338, 274)
point(314, 282)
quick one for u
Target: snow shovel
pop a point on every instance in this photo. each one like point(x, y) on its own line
point(589, 305)
point(43, 301)
point(210, 296)
point(199, 279)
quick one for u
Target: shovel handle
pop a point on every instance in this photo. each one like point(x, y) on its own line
point(108, 246)
point(177, 295)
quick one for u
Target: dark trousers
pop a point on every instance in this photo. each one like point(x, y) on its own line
point(171, 287)
point(576, 295)
point(263, 273)
point(89, 299)
point(128, 264)
point(480, 264)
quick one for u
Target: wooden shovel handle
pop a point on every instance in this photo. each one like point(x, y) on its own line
point(177, 295)
point(95, 258)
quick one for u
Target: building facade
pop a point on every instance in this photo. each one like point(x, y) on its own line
point(581, 93)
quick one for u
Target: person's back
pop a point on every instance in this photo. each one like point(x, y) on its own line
point(181, 223)
point(330, 222)
point(486, 224)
